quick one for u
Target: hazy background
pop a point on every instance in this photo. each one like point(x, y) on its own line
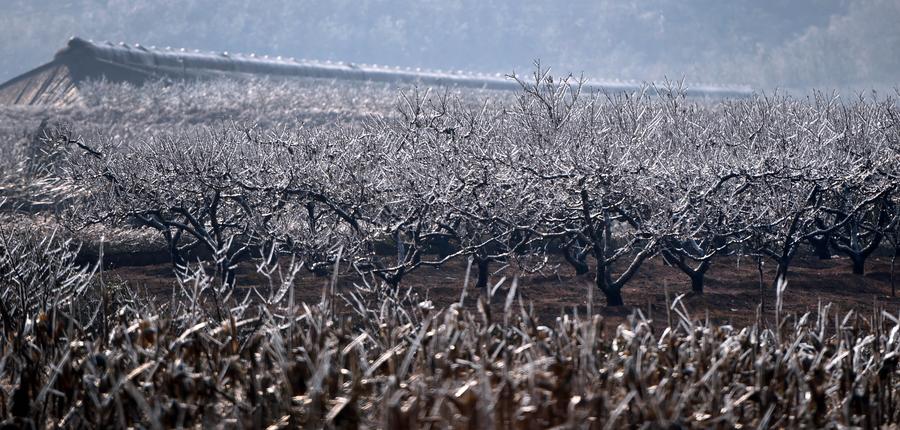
point(764, 43)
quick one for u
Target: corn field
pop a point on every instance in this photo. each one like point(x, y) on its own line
point(84, 353)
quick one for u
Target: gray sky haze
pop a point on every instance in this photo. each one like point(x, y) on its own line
point(765, 44)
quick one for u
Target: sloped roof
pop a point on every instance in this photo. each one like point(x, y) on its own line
point(57, 82)
point(50, 84)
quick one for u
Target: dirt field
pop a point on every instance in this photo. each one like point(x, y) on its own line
point(732, 293)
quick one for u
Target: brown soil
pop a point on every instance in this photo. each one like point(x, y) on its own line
point(732, 291)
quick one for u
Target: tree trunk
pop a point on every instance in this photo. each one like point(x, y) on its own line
point(696, 275)
point(697, 282)
point(859, 264)
point(781, 271)
point(612, 291)
point(177, 259)
point(393, 279)
point(442, 247)
point(858, 253)
point(483, 273)
point(613, 296)
point(172, 241)
point(577, 261)
point(820, 247)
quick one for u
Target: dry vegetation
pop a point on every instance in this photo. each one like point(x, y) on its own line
point(600, 183)
point(81, 353)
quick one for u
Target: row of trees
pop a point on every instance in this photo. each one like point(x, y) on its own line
point(605, 181)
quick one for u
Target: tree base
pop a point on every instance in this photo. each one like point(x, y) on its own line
point(613, 297)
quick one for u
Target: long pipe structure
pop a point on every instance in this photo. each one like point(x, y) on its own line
point(84, 60)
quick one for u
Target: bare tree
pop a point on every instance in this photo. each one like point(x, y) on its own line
point(607, 181)
point(183, 186)
point(595, 160)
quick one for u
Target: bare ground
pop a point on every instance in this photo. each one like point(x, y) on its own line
point(732, 291)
